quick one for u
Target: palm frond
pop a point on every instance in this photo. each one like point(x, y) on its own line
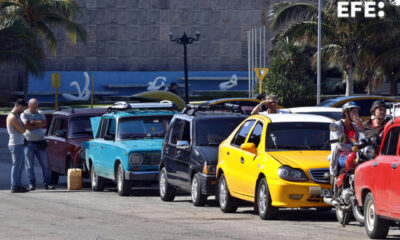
point(283, 13)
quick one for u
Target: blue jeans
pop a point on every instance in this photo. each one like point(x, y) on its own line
point(342, 161)
point(18, 160)
point(32, 151)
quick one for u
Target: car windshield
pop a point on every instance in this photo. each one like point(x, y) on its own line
point(80, 127)
point(211, 132)
point(298, 136)
point(143, 127)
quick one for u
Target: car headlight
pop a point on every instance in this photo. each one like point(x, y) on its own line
point(291, 174)
point(135, 159)
point(368, 152)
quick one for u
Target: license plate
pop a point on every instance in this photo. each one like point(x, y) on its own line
point(314, 190)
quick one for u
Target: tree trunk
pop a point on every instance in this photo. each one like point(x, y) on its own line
point(393, 84)
point(26, 83)
point(349, 82)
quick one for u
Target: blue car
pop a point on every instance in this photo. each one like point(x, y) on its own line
point(127, 145)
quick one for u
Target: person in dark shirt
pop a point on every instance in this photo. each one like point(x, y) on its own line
point(373, 127)
point(173, 87)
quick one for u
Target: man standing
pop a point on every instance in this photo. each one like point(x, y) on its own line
point(34, 121)
point(268, 106)
point(15, 129)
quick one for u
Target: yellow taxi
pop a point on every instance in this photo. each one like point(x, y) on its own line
point(275, 161)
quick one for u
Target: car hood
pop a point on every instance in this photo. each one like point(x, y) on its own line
point(302, 159)
point(95, 122)
point(142, 144)
point(209, 153)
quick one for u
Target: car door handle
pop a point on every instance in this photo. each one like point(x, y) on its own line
point(374, 164)
point(102, 147)
point(227, 153)
point(394, 165)
point(241, 160)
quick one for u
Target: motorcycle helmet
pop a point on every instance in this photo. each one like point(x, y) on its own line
point(349, 105)
point(376, 104)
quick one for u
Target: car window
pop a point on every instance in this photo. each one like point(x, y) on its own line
point(80, 127)
point(241, 135)
point(143, 127)
point(103, 127)
point(255, 136)
point(111, 127)
point(297, 136)
point(50, 130)
point(59, 127)
point(180, 132)
point(390, 143)
point(211, 132)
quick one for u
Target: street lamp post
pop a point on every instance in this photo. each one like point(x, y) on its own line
point(185, 40)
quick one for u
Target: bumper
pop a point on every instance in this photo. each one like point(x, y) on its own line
point(296, 194)
point(208, 184)
point(148, 176)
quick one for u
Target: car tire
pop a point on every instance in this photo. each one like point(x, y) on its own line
point(123, 186)
point(167, 192)
point(343, 216)
point(227, 203)
point(263, 200)
point(198, 198)
point(96, 181)
point(54, 178)
point(375, 226)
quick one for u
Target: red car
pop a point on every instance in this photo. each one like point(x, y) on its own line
point(68, 128)
point(377, 185)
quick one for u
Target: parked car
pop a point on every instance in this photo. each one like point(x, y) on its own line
point(127, 145)
point(377, 185)
point(247, 104)
point(334, 113)
point(190, 152)
point(365, 103)
point(67, 129)
point(275, 161)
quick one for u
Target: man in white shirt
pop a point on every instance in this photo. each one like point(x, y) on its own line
point(268, 106)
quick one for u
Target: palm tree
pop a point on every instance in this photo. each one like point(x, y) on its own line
point(16, 44)
point(342, 39)
point(41, 15)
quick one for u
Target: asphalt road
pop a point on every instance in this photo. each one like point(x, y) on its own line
point(63, 214)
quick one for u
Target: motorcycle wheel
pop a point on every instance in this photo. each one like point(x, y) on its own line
point(342, 216)
point(358, 213)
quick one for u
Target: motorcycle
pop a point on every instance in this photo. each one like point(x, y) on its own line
point(342, 194)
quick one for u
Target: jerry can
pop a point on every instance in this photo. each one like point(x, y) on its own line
point(74, 179)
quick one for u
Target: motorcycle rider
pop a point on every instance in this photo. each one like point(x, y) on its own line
point(374, 126)
point(343, 135)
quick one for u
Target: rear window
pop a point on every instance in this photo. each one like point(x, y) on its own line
point(211, 132)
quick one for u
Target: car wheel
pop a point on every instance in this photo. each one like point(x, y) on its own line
point(343, 216)
point(263, 201)
point(54, 178)
point(123, 186)
point(198, 198)
point(97, 182)
point(375, 226)
point(227, 203)
point(167, 192)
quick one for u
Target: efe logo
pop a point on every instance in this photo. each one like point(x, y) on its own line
point(344, 8)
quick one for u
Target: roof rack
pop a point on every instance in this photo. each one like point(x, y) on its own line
point(125, 106)
point(227, 107)
point(66, 108)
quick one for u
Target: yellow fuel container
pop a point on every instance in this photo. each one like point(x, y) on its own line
point(74, 179)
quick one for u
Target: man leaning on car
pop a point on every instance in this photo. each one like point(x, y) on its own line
point(269, 106)
point(34, 121)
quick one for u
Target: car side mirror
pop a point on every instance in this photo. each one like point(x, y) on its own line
point(182, 144)
point(249, 147)
point(109, 137)
point(60, 133)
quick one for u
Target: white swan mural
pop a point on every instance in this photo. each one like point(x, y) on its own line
point(156, 86)
point(83, 94)
point(229, 84)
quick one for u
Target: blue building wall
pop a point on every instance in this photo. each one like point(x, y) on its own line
point(107, 83)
